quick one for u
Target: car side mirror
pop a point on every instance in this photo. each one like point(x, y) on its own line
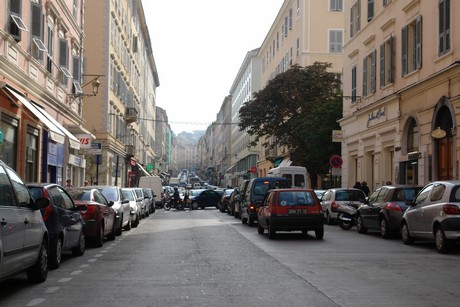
point(110, 203)
point(41, 203)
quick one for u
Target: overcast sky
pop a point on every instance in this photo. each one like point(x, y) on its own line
point(198, 48)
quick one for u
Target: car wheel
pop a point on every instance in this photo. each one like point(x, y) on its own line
point(118, 232)
point(384, 231)
point(250, 222)
point(56, 255)
point(100, 237)
point(319, 233)
point(305, 233)
point(260, 229)
point(111, 236)
point(195, 206)
point(39, 271)
point(359, 225)
point(443, 245)
point(405, 235)
point(80, 249)
point(128, 226)
point(329, 220)
point(271, 232)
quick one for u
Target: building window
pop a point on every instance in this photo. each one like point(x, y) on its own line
point(387, 56)
point(285, 26)
point(298, 47)
point(16, 25)
point(444, 26)
point(335, 5)
point(369, 72)
point(386, 2)
point(370, 10)
point(31, 154)
point(355, 18)
point(38, 48)
point(64, 73)
point(298, 8)
point(353, 84)
point(412, 136)
point(8, 148)
point(411, 44)
point(290, 19)
point(335, 41)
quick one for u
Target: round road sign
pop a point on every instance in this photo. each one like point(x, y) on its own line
point(336, 161)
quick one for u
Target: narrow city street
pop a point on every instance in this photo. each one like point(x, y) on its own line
point(208, 258)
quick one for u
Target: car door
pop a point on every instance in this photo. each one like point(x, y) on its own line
point(366, 210)
point(414, 214)
point(432, 209)
point(109, 219)
point(12, 227)
point(376, 208)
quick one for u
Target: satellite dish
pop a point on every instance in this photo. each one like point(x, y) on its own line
point(438, 133)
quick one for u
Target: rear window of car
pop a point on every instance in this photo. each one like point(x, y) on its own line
point(296, 198)
point(349, 195)
point(403, 194)
point(79, 195)
point(129, 196)
point(261, 187)
point(110, 193)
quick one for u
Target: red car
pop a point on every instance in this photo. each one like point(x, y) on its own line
point(99, 217)
point(291, 210)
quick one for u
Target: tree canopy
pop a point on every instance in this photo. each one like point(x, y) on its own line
point(300, 108)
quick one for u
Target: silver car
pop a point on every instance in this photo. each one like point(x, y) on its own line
point(334, 197)
point(434, 214)
point(134, 204)
point(24, 246)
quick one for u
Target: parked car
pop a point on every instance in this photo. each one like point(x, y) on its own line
point(99, 217)
point(385, 208)
point(135, 204)
point(223, 202)
point(255, 193)
point(143, 201)
point(202, 198)
point(291, 210)
point(16, 207)
point(66, 227)
point(334, 197)
point(120, 205)
point(240, 198)
point(232, 202)
point(434, 214)
point(319, 193)
point(149, 199)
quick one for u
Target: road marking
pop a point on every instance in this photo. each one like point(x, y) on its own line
point(52, 289)
point(36, 302)
point(84, 265)
point(65, 279)
point(92, 260)
point(98, 255)
point(76, 272)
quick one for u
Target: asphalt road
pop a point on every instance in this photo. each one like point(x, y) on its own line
point(208, 258)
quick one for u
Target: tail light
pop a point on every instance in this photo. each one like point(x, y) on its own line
point(252, 207)
point(90, 211)
point(334, 206)
point(451, 209)
point(47, 212)
point(392, 206)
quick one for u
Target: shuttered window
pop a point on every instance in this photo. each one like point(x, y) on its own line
point(444, 26)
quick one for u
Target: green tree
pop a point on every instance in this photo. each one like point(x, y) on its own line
point(300, 108)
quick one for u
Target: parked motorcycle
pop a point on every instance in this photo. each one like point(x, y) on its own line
point(178, 205)
point(347, 215)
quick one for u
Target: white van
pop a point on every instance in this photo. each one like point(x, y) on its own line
point(297, 175)
point(154, 183)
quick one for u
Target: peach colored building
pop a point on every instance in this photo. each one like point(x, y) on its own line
point(41, 86)
point(401, 75)
point(304, 32)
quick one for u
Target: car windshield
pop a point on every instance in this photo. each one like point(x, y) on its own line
point(110, 193)
point(128, 194)
point(296, 198)
point(79, 194)
point(349, 195)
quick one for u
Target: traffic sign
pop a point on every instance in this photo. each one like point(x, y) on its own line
point(336, 161)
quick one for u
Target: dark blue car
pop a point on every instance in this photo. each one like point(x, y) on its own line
point(62, 218)
point(202, 198)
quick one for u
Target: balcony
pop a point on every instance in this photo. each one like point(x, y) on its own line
point(131, 115)
point(130, 150)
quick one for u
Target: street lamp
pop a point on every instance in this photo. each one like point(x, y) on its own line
point(95, 83)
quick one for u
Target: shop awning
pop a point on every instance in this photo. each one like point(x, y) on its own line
point(230, 169)
point(54, 132)
point(74, 142)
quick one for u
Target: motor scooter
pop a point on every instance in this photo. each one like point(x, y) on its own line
point(178, 204)
point(347, 215)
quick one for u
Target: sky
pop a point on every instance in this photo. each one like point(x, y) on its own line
point(198, 47)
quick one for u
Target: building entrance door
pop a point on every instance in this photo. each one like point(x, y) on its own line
point(445, 164)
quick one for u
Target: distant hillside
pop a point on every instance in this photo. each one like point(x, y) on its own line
point(191, 136)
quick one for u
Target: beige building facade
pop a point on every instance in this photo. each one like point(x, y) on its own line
point(304, 32)
point(401, 80)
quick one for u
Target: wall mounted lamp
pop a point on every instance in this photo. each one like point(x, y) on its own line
point(95, 83)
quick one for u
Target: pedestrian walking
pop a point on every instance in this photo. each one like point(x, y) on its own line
point(365, 188)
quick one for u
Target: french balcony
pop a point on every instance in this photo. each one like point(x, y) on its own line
point(130, 150)
point(131, 115)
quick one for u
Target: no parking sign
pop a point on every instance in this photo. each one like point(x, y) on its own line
point(336, 161)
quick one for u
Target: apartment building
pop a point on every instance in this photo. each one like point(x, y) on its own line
point(401, 74)
point(243, 156)
point(118, 52)
point(42, 90)
point(304, 32)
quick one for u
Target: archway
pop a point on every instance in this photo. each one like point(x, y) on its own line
point(443, 140)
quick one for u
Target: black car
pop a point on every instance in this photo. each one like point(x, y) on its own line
point(203, 198)
point(385, 208)
point(63, 220)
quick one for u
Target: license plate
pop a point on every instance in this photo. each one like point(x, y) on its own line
point(297, 211)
